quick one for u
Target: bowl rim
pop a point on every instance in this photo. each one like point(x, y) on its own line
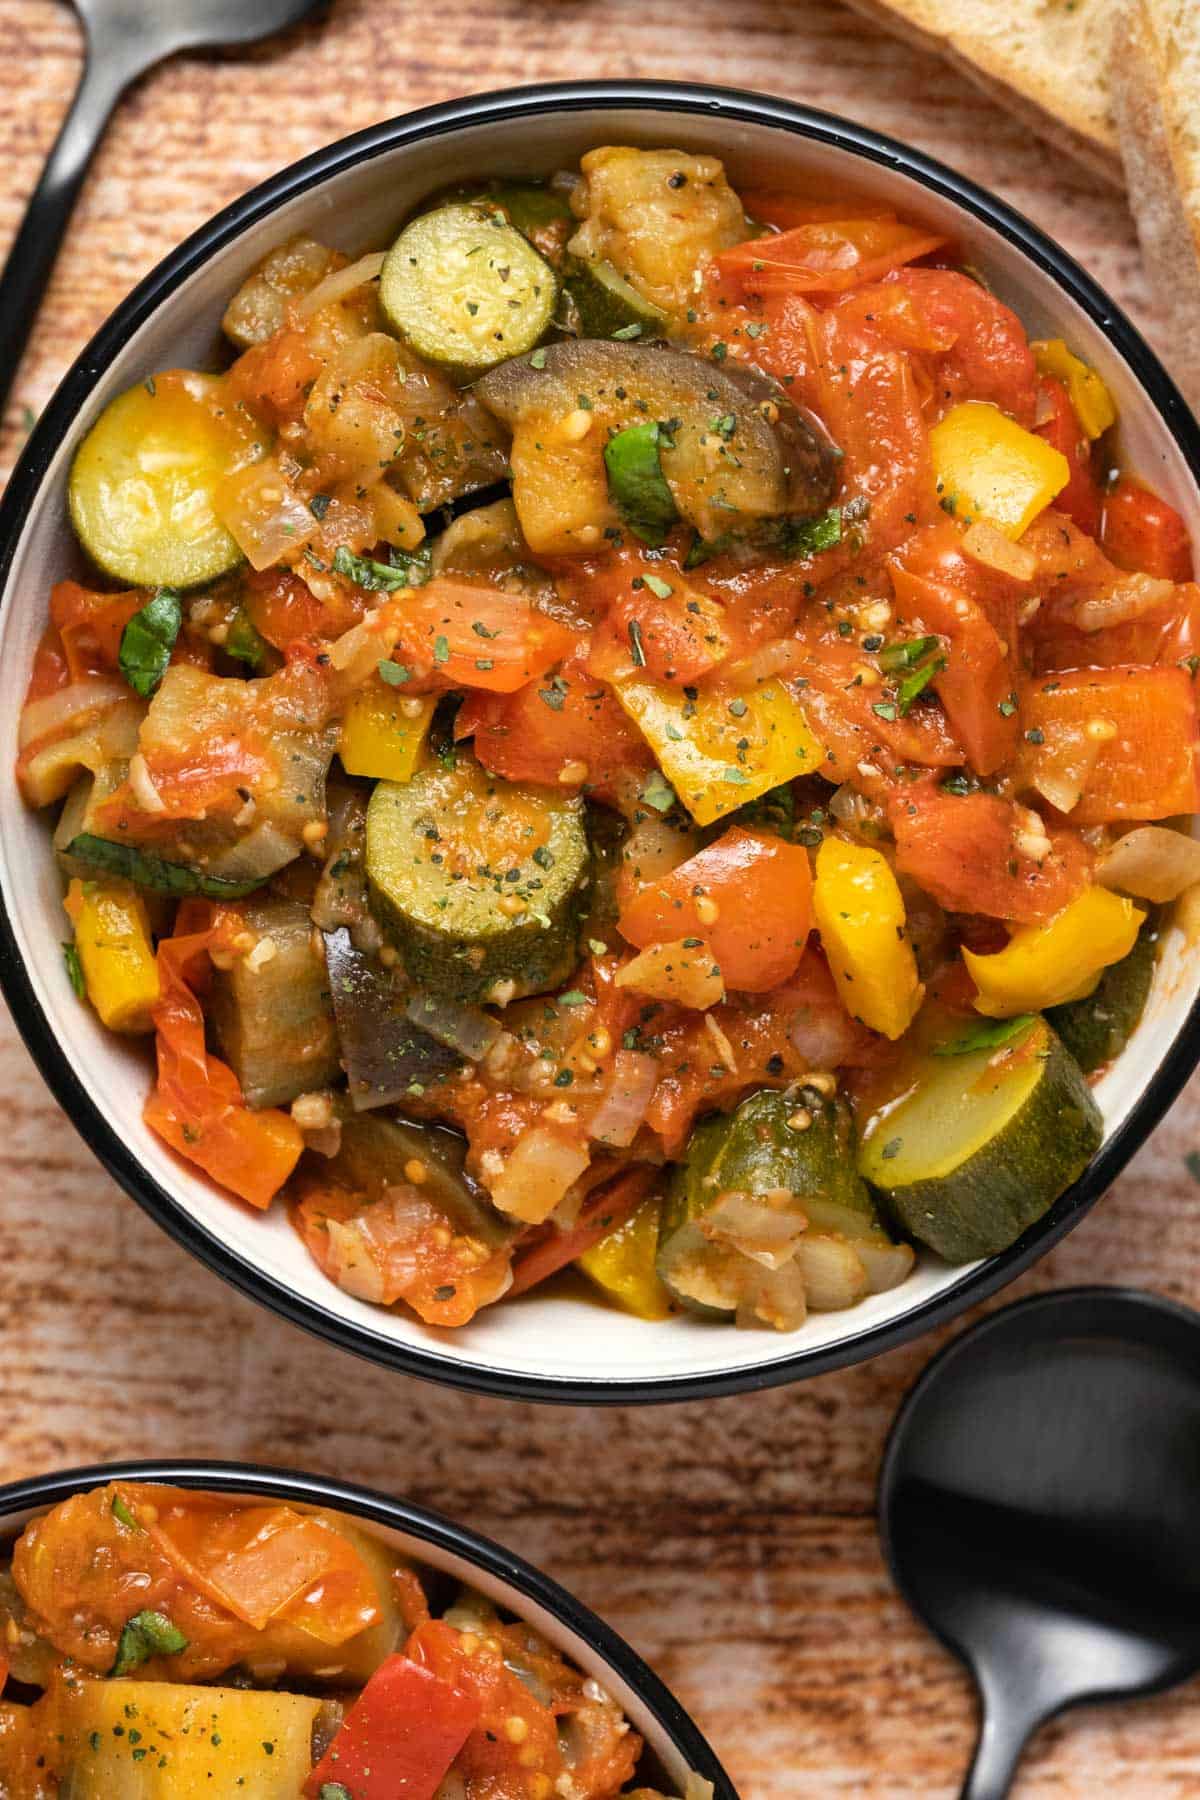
point(429, 1527)
point(508, 106)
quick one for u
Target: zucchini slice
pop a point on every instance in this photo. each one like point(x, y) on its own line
point(608, 306)
point(539, 213)
point(479, 881)
point(793, 1153)
point(466, 289)
point(1098, 1027)
point(143, 481)
point(273, 1019)
point(385, 1054)
point(984, 1144)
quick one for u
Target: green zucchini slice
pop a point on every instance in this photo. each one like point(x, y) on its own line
point(608, 306)
point(984, 1143)
point(273, 1018)
point(1097, 1028)
point(466, 289)
point(478, 881)
point(539, 213)
point(142, 486)
point(792, 1152)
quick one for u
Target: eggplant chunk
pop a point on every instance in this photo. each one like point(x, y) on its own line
point(656, 216)
point(377, 1153)
point(272, 1012)
point(735, 454)
point(384, 1053)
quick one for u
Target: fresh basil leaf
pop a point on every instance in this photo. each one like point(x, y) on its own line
point(989, 1034)
point(147, 871)
point(917, 681)
point(148, 640)
point(403, 569)
point(906, 653)
point(806, 537)
point(147, 1634)
point(637, 484)
point(123, 1515)
point(74, 970)
point(244, 642)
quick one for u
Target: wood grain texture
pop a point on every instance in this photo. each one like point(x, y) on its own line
point(733, 1542)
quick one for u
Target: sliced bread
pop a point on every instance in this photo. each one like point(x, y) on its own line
point(1048, 60)
point(1156, 98)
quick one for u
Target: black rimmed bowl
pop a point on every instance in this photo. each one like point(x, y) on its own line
point(353, 195)
point(675, 1746)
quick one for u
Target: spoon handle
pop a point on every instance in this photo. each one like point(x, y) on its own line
point(35, 247)
point(1003, 1733)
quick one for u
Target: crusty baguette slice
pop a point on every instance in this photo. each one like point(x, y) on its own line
point(1156, 96)
point(1047, 60)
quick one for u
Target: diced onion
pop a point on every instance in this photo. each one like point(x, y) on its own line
point(358, 652)
point(823, 1036)
point(144, 790)
point(774, 1297)
point(351, 1265)
point(340, 283)
point(1151, 863)
point(622, 1111)
point(683, 973)
point(764, 1227)
point(995, 551)
point(66, 711)
point(887, 1265)
point(1127, 599)
point(537, 1173)
point(834, 1272)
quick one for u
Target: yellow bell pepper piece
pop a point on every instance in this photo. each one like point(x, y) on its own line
point(722, 749)
point(1047, 965)
point(116, 955)
point(383, 733)
point(861, 918)
point(989, 467)
point(1090, 397)
point(622, 1265)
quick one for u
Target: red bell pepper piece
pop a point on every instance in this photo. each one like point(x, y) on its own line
point(1140, 531)
point(399, 1739)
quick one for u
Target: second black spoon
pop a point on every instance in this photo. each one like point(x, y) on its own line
point(1040, 1508)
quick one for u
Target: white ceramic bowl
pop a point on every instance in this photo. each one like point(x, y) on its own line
point(673, 1741)
point(353, 195)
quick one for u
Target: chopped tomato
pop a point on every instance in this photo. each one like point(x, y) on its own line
point(989, 358)
point(978, 686)
point(1080, 499)
point(400, 1246)
point(867, 740)
point(282, 608)
point(600, 1213)
point(400, 1738)
point(1126, 737)
point(970, 852)
point(50, 670)
point(774, 206)
point(273, 379)
point(198, 1106)
point(1140, 531)
point(671, 629)
point(825, 256)
point(472, 636)
point(91, 624)
point(267, 1562)
point(499, 1760)
point(765, 1041)
point(749, 895)
point(570, 725)
point(866, 394)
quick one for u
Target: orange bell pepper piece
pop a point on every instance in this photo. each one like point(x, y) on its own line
point(1131, 733)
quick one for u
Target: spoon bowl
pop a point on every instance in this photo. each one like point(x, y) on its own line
point(1038, 1508)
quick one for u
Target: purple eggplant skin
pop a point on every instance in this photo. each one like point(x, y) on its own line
point(386, 1057)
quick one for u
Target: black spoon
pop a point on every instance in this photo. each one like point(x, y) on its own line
point(1039, 1504)
point(124, 38)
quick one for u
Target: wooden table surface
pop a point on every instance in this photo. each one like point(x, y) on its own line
point(733, 1543)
